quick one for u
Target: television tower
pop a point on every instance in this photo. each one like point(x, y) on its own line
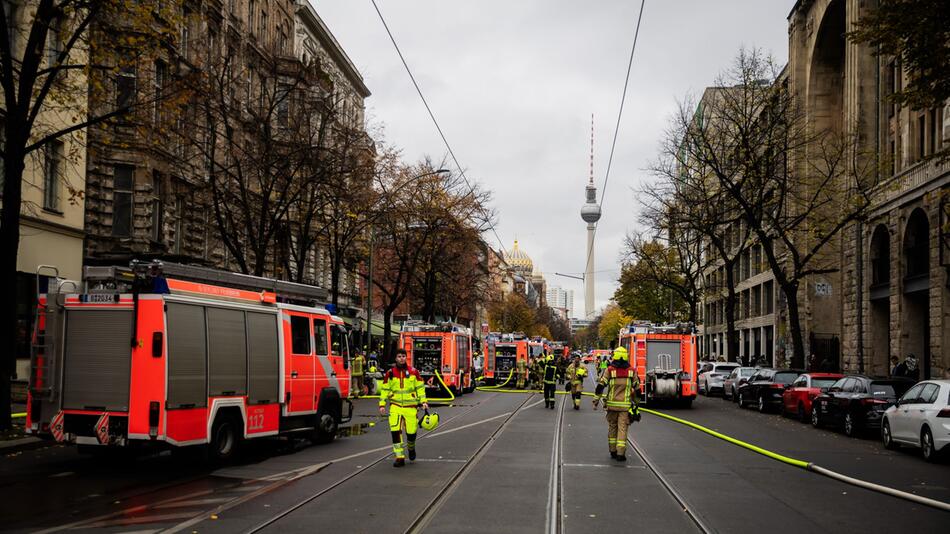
point(590, 212)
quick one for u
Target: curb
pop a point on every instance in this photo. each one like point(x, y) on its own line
point(14, 446)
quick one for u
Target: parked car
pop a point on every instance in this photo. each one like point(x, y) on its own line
point(797, 399)
point(712, 374)
point(921, 418)
point(738, 376)
point(855, 403)
point(765, 388)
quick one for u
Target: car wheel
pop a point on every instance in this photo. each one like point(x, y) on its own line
point(741, 400)
point(734, 397)
point(815, 418)
point(763, 407)
point(801, 413)
point(886, 436)
point(927, 445)
point(850, 425)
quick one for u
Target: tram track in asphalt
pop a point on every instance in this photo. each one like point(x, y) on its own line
point(432, 505)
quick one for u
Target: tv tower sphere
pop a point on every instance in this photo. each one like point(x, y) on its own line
point(590, 212)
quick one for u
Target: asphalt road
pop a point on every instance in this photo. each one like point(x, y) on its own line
point(498, 463)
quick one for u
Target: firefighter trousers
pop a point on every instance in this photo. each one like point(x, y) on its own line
point(617, 424)
point(576, 395)
point(549, 393)
point(520, 383)
point(399, 417)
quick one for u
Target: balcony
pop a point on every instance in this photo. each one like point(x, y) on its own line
point(911, 179)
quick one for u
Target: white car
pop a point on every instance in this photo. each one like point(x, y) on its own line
point(712, 374)
point(921, 418)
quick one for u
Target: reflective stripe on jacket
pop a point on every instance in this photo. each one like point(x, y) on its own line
point(403, 387)
point(618, 383)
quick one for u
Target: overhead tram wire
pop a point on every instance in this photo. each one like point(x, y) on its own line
point(434, 121)
point(613, 144)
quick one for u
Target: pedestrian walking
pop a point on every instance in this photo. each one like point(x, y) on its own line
point(909, 367)
point(575, 377)
point(550, 380)
point(617, 387)
point(895, 363)
point(405, 391)
point(358, 372)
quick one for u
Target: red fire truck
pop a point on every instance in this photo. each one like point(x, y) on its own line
point(665, 360)
point(203, 359)
point(502, 352)
point(446, 348)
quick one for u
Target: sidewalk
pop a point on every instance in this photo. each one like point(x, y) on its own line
point(16, 440)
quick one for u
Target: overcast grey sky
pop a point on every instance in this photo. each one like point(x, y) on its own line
point(513, 84)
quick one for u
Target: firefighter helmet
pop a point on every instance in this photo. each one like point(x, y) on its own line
point(620, 353)
point(429, 421)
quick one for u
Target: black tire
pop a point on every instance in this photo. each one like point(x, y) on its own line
point(886, 438)
point(762, 407)
point(850, 425)
point(927, 445)
point(225, 440)
point(741, 400)
point(735, 396)
point(325, 427)
point(802, 416)
point(686, 403)
point(815, 416)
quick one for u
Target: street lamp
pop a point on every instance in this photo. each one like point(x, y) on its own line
point(369, 265)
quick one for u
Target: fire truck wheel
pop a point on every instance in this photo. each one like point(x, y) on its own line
point(325, 428)
point(225, 439)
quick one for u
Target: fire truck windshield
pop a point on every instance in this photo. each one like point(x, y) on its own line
point(508, 350)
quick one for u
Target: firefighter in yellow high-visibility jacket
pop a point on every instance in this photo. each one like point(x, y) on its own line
point(406, 392)
point(616, 387)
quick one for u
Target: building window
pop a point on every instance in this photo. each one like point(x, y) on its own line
point(125, 87)
point(161, 75)
point(932, 141)
point(186, 33)
point(262, 31)
point(179, 223)
point(768, 297)
point(157, 207)
point(52, 175)
point(122, 185)
point(283, 106)
point(54, 42)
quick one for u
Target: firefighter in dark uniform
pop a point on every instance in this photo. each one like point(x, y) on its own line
point(616, 387)
point(549, 379)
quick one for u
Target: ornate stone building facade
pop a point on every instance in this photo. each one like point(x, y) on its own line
point(895, 266)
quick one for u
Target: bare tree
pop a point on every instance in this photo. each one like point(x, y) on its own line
point(58, 59)
point(796, 188)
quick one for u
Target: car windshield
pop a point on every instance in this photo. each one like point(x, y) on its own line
point(822, 382)
point(785, 378)
point(746, 372)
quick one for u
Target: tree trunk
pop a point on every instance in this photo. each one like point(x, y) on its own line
point(9, 249)
point(732, 335)
point(388, 356)
point(795, 325)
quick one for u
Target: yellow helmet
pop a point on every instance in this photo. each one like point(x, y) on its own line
point(429, 421)
point(620, 353)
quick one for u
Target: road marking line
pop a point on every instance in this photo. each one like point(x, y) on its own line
point(605, 465)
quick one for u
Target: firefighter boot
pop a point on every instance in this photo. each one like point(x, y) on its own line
point(411, 445)
point(621, 457)
point(613, 454)
point(399, 462)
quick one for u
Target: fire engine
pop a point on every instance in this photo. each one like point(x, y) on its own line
point(204, 359)
point(445, 348)
point(502, 352)
point(665, 360)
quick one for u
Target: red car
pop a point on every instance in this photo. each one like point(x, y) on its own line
point(799, 394)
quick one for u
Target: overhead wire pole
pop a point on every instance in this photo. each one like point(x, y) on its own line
point(613, 144)
point(434, 121)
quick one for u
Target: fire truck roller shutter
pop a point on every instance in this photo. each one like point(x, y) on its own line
point(263, 358)
point(227, 352)
point(187, 361)
point(98, 359)
point(663, 355)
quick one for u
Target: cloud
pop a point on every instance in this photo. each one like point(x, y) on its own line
point(513, 85)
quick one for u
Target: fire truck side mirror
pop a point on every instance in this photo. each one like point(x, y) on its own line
point(158, 340)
